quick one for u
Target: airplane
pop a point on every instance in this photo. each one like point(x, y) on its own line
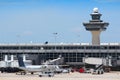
point(36, 68)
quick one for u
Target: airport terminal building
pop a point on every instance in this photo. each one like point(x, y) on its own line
point(73, 53)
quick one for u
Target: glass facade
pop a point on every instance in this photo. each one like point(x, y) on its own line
point(71, 53)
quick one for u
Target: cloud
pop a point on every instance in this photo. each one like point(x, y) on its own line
point(25, 33)
point(76, 29)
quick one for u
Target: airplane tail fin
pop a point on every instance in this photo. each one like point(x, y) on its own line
point(20, 61)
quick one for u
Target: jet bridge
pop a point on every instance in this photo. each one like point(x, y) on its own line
point(98, 63)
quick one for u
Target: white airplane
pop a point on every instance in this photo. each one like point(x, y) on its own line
point(36, 68)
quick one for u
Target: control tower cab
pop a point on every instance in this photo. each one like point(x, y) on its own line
point(96, 25)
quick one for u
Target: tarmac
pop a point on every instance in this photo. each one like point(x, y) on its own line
point(63, 76)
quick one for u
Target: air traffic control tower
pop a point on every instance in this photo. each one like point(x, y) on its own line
point(96, 25)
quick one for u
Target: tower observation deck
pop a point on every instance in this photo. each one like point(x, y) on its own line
point(96, 25)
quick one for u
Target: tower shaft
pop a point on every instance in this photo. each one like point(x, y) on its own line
point(95, 37)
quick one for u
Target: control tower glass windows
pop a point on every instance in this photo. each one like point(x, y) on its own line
point(96, 17)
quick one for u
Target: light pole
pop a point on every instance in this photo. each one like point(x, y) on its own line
point(18, 38)
point(55, 35)
point(78, 37)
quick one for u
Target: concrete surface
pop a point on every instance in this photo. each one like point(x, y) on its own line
point(67, 76)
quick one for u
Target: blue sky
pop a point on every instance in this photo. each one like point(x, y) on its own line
point(24, 21)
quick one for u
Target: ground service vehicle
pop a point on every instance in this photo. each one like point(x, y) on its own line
point(46, 73)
